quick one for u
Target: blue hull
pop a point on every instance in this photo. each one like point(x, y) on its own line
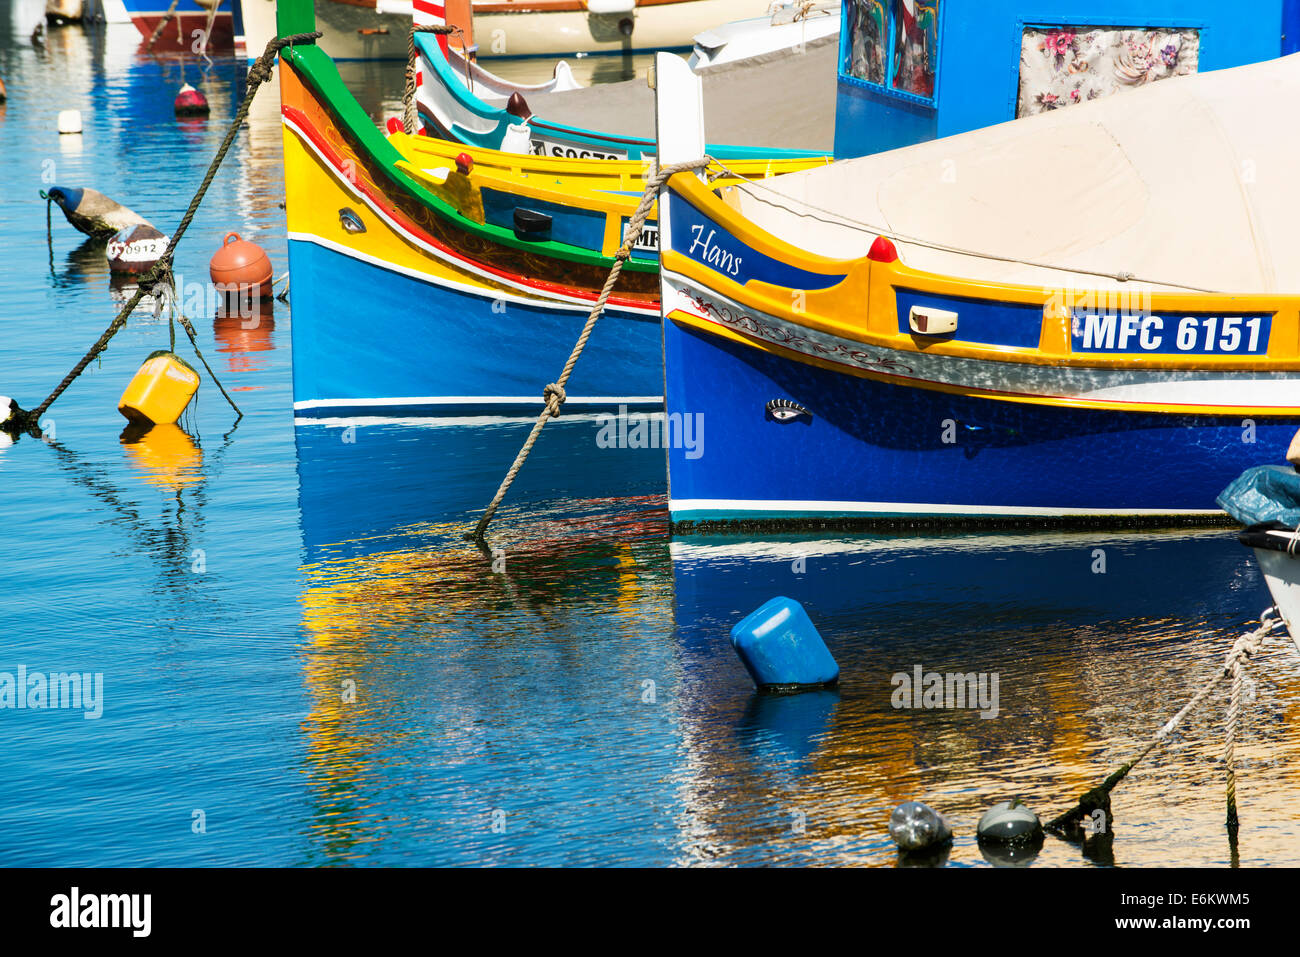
point(874, 450)
point(372, 341)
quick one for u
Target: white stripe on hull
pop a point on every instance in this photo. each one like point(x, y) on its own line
point(443, 400)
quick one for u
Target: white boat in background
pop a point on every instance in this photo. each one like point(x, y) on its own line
point(515, 28)
point(114, 11)
point(787, 25)
point(1266, 499)
point(1277, 550)
point(380, 30)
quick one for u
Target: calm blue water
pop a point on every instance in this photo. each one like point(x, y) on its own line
point(299, 650)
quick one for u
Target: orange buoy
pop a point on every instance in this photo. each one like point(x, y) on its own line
point(3, 94)
point(242, 268)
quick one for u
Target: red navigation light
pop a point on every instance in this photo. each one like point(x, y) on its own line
point(464, 163)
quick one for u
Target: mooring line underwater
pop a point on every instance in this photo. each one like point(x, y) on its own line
point(20, 420)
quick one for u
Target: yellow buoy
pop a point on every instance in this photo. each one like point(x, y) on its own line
point(160, 391)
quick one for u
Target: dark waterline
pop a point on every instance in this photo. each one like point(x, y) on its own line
point(580, 704)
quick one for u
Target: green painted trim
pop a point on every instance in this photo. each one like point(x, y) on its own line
point(295, 16)
point(319, 72)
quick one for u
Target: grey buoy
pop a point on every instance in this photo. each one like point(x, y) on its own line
point(94, 213)
point(1009, 822)
point(915, 827)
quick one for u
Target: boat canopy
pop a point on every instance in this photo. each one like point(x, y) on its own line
point(783, 99)
point(1187, 183)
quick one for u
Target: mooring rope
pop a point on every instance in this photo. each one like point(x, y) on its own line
point(207, 30)
point(49, 230)
point(162, 25)
point(410, 118)
point(553, 395)
point(839, 219)
point(258, 74)
point(177, 313)
point(1242, 649)
point(1245, 647)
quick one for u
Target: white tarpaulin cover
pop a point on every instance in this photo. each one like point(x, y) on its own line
point(1191, 181)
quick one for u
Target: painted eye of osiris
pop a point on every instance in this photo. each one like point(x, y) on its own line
point(784, 410)
point(350, 221)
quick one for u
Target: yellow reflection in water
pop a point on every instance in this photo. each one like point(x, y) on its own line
point(165, 455)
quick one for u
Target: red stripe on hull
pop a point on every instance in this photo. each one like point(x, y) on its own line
point(178, 35)
point(537, 285)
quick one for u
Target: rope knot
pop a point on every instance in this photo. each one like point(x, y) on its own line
point(554, 397)
point(1245, 647)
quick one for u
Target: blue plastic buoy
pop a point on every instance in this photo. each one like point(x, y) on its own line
point(781, 650)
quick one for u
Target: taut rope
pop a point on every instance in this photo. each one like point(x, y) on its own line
point(1243, 648)
point(162, 25)
point(410, 118)
point(553, 395)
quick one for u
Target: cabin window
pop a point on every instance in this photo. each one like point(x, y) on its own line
point(893, 44)
point(866, 47)
point(915, 46)
point(1064, 65)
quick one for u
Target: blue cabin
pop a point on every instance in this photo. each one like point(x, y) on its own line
point(913, 70)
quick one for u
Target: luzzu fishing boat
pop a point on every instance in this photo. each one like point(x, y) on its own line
point(548, 27)
point(780, 107)
point(788, 24)
point(1086, 314)
point(364, 29)
point(422, 284)
point(217, 17)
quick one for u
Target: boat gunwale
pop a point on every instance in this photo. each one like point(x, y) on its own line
point(880, 281)
point(309, 63)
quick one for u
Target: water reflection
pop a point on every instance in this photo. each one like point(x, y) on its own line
point(241, 336)
point(479, 671)
point(1090, 666)
point(164, 455)
point(85, 262)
